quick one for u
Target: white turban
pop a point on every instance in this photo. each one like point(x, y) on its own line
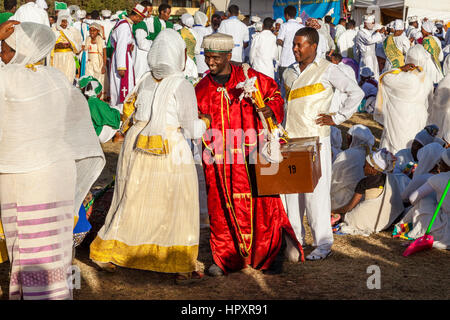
point(200, 18)
point(42, 4)
point(259, 26)
point(361, 136)
point(413, 19)
point(279, 21)
point(31, 41)
point(80, 14)
point(399, 25)
point(381, 160)
point(106, 13)
point(188, 20)
point(166, 56)
point(445, 156)
point(369, 19)
point(428, 26)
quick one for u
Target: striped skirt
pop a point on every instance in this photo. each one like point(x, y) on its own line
point(37, 214)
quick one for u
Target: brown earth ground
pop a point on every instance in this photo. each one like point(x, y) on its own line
point(341, 276)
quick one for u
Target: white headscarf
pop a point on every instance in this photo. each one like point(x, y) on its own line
point(428, 157)
point(62, 17)
point(166, 56)
point(361, 136)
point(32, 43)
point(200, 18)
point(187, 19)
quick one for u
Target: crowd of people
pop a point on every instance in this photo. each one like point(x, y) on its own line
point(211, 90)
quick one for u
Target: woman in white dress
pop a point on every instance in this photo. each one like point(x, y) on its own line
point(153, 222)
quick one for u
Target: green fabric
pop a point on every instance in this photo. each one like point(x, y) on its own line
point(4, 16)
point(157, 27)
point(60, 5)
point(103, 115)
point(141, 25)
point(190, 41)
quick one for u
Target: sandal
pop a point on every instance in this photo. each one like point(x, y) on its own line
point(187, 278)
point(106, 266)
point(318, 254)
point(335, 218)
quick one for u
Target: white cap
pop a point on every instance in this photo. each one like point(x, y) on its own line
point(255, 19)
point(381, 160)
point(413, 19)
point(279, 20)
point(398, 25)
point(187, 19)
point(366, 72)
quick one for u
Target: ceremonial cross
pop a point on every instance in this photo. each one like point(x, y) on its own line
point(124, 91)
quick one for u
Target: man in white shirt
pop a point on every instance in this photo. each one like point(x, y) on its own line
point(107, 24)
point(365, 43)
point(346, 41)
point(200, 21)
point(340, 29)
point(309, 115)
point(285, 38)
point(264, 50)
point(238, 30)
point(31, 12)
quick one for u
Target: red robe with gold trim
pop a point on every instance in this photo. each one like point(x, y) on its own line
point(245, 229)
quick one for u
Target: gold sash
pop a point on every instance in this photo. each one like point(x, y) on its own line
point(394, 55)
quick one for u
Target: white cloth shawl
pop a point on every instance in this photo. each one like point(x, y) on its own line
point(43, 118)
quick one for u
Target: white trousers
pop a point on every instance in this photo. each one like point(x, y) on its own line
point(316, 205)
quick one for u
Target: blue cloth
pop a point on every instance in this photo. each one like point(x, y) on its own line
point(313, 8)
point(83, 224)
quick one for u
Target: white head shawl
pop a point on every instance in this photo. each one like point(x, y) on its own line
point(428, 157)
point(336, 137)
point(42, 4)
point(200, 18)
point(381, 160)
point(445, 156)
point(32, 42)
point(187, 19)
point(428, 26)
point(166, 56)
point(399, 25)
point(62, 17)
point(361, 136)
point(417, 55)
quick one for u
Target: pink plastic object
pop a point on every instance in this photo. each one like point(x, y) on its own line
point(420, 244)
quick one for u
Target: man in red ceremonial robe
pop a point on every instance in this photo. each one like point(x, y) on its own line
point(245, 229)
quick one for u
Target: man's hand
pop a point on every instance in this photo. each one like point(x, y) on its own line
point(267, 112)
point(7, 29)
point(103, 69)
point(121, 73)
point(325, 120)
point(408, 67)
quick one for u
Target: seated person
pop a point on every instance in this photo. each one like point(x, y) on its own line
point(407, 158)
point(348, 168)
point(106, 120)
point(369, 85)
point(429, 158)
point(376, 202)
point(425, 200)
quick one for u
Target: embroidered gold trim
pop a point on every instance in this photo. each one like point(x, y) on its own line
point(306, 91)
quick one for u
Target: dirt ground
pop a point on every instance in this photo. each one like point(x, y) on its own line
point(344, 275)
